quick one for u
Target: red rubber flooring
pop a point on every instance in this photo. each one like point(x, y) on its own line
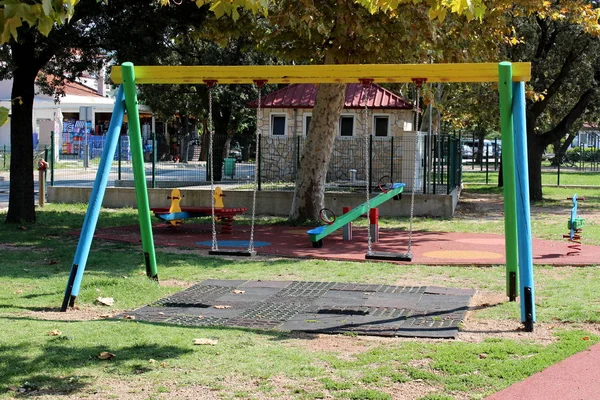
point(576, 378)
point(428, 248)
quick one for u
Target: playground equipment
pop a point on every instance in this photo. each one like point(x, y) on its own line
point(214, 243)
point(175, 214)
point(378, 255)
point(317, 234)
point(575, 226)
point(510, 77)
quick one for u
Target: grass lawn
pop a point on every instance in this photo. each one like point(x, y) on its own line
point(51, 355)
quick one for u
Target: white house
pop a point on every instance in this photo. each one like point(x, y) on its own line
point(49, 115)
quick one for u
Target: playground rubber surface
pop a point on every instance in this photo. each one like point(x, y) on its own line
point(327, 307)
point(575, 378)
point(428, 248)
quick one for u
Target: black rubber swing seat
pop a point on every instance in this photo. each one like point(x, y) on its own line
point(242, 253)
point(387, 256)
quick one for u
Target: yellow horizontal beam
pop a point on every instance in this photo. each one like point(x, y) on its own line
point(347, 73)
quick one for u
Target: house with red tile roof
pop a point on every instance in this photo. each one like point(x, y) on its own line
point(387, 120)
point(288, 111)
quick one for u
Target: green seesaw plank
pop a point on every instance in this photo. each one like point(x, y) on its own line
point(320, 232)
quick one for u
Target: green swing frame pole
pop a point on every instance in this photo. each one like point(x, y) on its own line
point(139, 175)
point(508, 174)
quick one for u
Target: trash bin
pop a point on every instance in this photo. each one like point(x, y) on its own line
point(229, 164)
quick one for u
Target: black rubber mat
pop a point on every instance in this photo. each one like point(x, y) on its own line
point(330, 307)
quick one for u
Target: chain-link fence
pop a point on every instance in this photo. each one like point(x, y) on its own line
point(424, 165)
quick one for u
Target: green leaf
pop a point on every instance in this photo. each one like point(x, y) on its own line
point(3, 115)
point(13, 24)
point(47, 6)
point(45, 26)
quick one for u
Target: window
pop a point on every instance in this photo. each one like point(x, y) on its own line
point(347, 125)
point(382, 126)
point(277, 125)
point(307, 119)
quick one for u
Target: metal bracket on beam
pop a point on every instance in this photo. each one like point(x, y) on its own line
point(419, 81)
point(260, 82)
point(366, 82)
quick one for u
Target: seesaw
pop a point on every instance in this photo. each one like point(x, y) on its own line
point(317, 234)
point(175, 214)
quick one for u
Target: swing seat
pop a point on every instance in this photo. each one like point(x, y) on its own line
point(232, 252)
point(383, 255)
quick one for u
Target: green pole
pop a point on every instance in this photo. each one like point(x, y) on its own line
point(52, 156)
point(139, 176)
point(510, 181)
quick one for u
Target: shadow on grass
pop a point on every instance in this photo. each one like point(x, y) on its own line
point(51, 369)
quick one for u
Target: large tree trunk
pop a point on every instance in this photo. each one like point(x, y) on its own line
point(309, 195)
point(535, 151)
point(21, 207)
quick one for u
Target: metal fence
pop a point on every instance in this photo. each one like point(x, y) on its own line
point(356, 163)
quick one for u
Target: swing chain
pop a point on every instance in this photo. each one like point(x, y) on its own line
point(210, 85)
point(366, 84)
point(418, 82)
point(259, 85)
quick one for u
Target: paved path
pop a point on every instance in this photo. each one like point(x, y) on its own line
point(576, 378)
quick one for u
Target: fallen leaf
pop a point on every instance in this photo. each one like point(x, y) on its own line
point(586, 338)
point(220, 307)
point(124, 276)
point(132, 317)
point(483, 356)
point(201, 317)
point(163, 364)
point(55, 332)
point(105, 316)
point(105, 355)
point(19, 291)
point(236, 291)
point(23, 228)
point(106, 301)
point(52, 262)
point(152, 361)
point(25, 269)
point(210, 342)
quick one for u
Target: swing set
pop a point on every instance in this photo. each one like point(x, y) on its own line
point(511, 78)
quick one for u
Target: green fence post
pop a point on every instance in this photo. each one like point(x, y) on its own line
point(370, 164)
point(154, 160)
point(119, 157)
point(52, 157)
point(392, 159)
point(257, 161)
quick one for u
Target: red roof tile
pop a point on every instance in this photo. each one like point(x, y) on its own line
point(303, 96)
point(79, 89)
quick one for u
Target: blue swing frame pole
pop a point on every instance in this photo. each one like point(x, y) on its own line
point(526, 287)
point(96, 198)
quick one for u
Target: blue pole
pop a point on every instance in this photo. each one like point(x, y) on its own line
point(96, 198)
point(523, 211)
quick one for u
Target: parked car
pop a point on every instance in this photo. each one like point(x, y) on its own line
point(467, 152)
point(236, 152)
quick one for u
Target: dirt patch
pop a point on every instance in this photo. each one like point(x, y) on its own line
point(86, 313)
point(176, 283)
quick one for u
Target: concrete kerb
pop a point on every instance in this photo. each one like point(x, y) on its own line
point(277, 203)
